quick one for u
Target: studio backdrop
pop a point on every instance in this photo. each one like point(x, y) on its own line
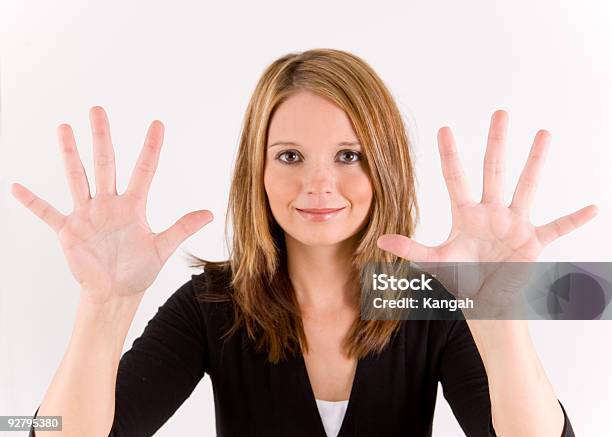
point(194, 65)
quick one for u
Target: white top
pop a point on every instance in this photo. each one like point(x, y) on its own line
point(332, 414)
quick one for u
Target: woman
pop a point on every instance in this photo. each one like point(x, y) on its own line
point(323, 172)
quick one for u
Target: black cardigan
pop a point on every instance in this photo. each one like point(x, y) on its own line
point(393, 393)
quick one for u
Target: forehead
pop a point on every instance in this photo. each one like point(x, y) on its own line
point(306, 116)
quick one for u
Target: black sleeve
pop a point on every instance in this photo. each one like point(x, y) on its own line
point(465, 384)
point(32, 433)
point(162, 368)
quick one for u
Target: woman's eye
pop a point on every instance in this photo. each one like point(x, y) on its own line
point(292, 156)
point(353, 156)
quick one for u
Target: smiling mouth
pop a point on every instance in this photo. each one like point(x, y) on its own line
point(320, 210)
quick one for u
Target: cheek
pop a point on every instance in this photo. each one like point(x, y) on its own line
point(278, 186)
point(358, 189)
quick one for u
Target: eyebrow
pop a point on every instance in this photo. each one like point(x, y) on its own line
point(342, 143)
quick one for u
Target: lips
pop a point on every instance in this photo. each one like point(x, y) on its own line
point(319, 214)
point(319, 210)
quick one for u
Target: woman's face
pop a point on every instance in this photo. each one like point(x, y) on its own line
point(314, 161)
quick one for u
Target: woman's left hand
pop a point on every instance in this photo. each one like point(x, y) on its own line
point(489, 231)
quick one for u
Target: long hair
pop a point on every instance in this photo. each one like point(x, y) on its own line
point(256, 279)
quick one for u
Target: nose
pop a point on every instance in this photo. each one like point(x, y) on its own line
point(319, 179)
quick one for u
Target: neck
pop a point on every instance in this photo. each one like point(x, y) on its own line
point(323, 277)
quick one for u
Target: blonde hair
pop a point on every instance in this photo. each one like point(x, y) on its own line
point(255, 278)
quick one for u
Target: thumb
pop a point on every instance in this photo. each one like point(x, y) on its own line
point(425, 258)
point(405, 247)
point(168, 240)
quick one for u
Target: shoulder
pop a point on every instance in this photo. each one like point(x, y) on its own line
point(433, 335)
point(212, 287)
point(215, 280)
point(200, 302)
point(210, 291)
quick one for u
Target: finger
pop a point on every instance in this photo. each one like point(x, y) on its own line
point(528, 181)
point(38, 206)
point(168, 240)
point(452, 170)
point(145, 168)
point(493, 172)
point(407, 248)
point(563, 225)
point(104, 155)
point(75, 173)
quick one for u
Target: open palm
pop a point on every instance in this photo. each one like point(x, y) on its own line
point(108, 244)
point(490, 231)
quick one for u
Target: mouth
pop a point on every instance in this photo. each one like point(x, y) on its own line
point(319, 210)
point(319, 214)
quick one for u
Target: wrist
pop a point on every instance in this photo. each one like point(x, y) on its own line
point(112, 310)
point(103, 326)
point(500, 339)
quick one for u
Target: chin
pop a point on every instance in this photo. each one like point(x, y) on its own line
point(321, 238)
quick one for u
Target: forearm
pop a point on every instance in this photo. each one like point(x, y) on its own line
point(83, 388)
point(523, 402)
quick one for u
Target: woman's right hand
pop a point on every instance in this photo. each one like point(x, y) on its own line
point(107, 241)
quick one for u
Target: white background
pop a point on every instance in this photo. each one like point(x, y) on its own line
point(194, 66)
